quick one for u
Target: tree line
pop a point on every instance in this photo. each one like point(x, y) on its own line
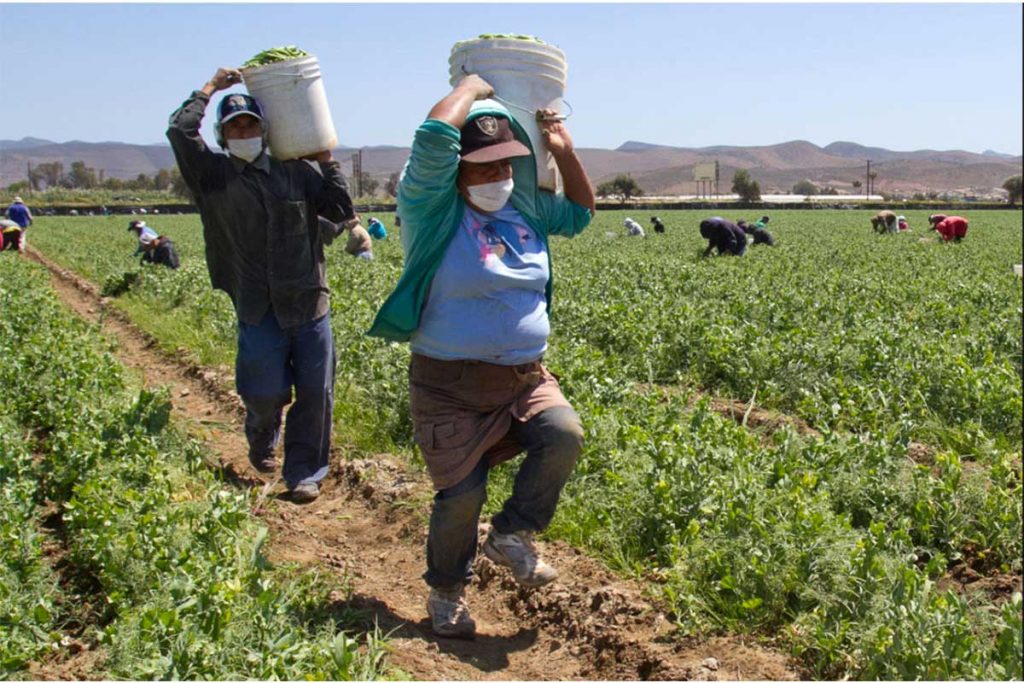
point(623, 187)
point(79, 176)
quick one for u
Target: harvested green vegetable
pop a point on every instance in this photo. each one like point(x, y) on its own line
point(506, 36)
point(275, 54)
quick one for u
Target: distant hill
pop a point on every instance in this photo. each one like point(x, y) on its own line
point(659, 169)
point(24, 143)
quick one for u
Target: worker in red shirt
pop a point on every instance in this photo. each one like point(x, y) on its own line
point(952, 228)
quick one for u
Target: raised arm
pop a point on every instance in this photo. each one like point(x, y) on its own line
point(454, 107)
point(574, 178)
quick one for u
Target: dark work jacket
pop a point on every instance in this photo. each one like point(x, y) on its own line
point(264, 245)
point(723, 235)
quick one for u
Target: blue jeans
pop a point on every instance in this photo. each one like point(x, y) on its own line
point(553, 441)
point(271, 361)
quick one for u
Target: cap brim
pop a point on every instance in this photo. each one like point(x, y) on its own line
point(236, 114)
point(504, 150)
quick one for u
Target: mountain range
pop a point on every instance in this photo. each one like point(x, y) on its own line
point(658, 169)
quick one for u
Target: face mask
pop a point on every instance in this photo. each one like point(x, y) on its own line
point(490, 196)
point(246, 148)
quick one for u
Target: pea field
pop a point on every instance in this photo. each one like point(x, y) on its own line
point(813, 443)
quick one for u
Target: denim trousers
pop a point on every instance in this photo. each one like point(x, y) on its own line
point(553, 440)
point(271, 361)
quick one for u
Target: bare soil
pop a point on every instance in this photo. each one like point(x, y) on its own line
point(368, 530)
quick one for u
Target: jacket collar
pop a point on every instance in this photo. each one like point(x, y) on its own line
point(262, 163)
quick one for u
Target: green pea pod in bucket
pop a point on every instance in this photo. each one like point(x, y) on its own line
point(288, 85)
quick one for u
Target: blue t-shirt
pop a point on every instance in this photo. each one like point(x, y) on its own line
point(19, 213)
point(487, 300)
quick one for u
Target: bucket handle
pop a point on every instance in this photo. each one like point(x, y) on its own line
point(532, 112)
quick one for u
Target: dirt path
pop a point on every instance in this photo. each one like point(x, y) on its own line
point(370, 525)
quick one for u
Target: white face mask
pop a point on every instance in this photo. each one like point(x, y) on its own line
point(491, 196)
point(246, 148)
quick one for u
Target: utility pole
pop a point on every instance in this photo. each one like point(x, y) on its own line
point(357, 172)
point(29, 163)
point(867, 181)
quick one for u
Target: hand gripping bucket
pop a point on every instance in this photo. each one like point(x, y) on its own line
point(294, 101)
point(526, 76)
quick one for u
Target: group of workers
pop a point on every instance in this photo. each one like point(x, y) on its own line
point(950, 228)
point(730, 238)
point(159, 250)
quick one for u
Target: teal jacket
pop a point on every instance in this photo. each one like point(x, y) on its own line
point(431, 209)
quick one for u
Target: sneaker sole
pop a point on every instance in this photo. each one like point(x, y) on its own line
point(497, 558)
point(464, 634)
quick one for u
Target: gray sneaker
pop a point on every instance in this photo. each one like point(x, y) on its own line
point(518, 552)
point(305, 492)
point(449, 613)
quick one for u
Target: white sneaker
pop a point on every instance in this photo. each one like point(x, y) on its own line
point(518, 552)
point(449, 613)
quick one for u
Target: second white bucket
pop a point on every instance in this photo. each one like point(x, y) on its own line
point(526, 76)
point(294, 101)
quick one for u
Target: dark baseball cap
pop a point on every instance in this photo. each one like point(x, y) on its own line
point(237, 104)
point(489, 138)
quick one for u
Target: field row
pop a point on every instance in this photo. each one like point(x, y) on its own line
point(118, 541)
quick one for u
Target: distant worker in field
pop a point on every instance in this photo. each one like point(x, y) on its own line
point(265, 248)
point(376, 229)
point(155, 248)
point(633, 229)
point(758, 230)
point(659, 227)
point(10, 236)
point(473, 302)
point(725, 236)
point(20, 214)
point(885, 221)
point(359, 243)
point(951, 228)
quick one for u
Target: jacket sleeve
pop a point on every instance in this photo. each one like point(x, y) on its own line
point(427, 188)
point(330, 192)
point(329, 231)
point(560, 215)
point(195, 159)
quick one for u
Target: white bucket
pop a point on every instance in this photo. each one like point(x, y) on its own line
point(526, 76)
point(1018, 270)
point(295, 104)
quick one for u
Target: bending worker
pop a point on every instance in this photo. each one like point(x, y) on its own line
point(723, 235)
point(885, 221)
point(473, 301)
point(951, 228)
point(758, 230)
point(633, 229)
point(154, 248)
point(265, 248)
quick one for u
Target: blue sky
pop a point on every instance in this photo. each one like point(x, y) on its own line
point(901, 76)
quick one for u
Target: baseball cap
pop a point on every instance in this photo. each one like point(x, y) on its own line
point(489, 138)
point(136, 224)
point(236, 105)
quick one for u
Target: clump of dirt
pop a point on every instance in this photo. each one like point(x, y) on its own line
point(964, 578)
